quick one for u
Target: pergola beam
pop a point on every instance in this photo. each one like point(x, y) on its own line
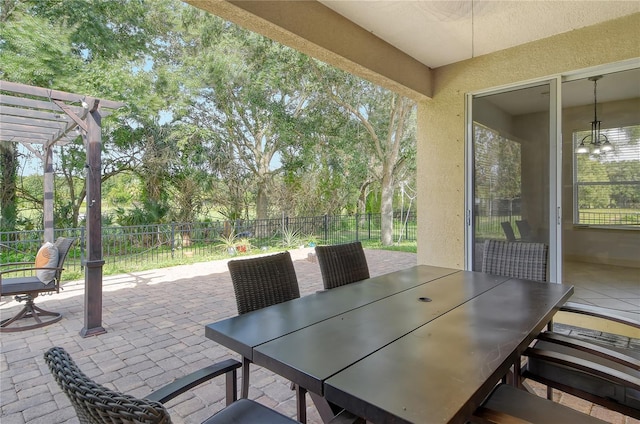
point(36, 135)
point(37, 115)
point(11, 121)
point(30, 90)
point(78, 118)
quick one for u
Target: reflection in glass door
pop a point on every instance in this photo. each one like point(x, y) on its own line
point(511, 186)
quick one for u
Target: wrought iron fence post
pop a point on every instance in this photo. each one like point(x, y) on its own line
point(82, 229)
point(357, 226)
point(325, 224)
point(405, 224)
point(369, 225)
point(173, 238)
point(510, 210)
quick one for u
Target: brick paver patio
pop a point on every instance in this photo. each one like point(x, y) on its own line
point(155, 332)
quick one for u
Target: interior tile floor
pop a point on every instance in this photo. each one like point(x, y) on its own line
point(609, 286)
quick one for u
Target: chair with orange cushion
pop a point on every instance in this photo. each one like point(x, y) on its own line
point(44, 277)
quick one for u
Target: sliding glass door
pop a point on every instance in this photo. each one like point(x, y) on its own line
point(512, 188)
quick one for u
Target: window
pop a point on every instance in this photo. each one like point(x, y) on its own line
point(607, 188)
point(497, 181)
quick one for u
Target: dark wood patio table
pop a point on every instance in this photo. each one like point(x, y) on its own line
point(421, 345)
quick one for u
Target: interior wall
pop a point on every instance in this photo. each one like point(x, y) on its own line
point(487, 114)
point(441, 120)
point(533, 131)
point(587, 244)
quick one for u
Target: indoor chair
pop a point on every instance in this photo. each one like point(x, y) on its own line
point(508, 231)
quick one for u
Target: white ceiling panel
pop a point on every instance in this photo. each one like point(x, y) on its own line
point(438, 33)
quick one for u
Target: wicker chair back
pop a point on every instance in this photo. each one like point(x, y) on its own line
point(342, 264)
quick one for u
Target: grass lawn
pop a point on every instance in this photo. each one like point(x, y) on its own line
point(187, 257)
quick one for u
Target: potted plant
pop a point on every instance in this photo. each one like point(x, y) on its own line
point(229, 243)
point(312, 240)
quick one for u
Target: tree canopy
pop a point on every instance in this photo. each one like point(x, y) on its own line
point(218, 119)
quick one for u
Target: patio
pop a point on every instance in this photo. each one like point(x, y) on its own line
point(155, 333)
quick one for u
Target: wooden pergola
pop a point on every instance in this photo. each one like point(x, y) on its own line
point(39, 119)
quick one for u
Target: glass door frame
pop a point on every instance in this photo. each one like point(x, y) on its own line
point(555, 170)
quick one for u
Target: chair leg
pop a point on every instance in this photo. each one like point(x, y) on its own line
point(245, 378)
point(231, 386)
point(30, 310)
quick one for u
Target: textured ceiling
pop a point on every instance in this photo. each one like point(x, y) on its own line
point(438, 33)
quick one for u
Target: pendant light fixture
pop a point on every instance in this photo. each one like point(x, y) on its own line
point(597, 142)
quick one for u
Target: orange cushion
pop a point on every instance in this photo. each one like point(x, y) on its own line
point(47, 257)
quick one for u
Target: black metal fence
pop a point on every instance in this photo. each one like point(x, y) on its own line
point(125, 247)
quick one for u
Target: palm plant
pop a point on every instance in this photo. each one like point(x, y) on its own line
point(229, 243)
point(291, 238)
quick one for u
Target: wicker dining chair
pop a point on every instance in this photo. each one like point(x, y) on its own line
point(96, 404)
point(263, 281)
point(260, 282)
point(516, 259)
point(27, 288)
point(342, 264)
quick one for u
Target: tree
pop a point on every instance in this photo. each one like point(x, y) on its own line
point(33, 52)
point(388, 120)
point(8, 206)
point(97, 48)
point(250, 94)
point(324, 174)
point(216, 116)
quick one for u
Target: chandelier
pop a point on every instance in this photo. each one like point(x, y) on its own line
point(597, 142)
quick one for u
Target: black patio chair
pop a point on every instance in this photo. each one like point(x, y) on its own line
point(586, 364)
point(342, 264)
point(96, 404)
point(604, 375)
point(27, 288)
point(508, 405)
point(260, 282)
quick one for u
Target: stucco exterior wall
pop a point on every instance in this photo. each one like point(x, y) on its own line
point(441, 120)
